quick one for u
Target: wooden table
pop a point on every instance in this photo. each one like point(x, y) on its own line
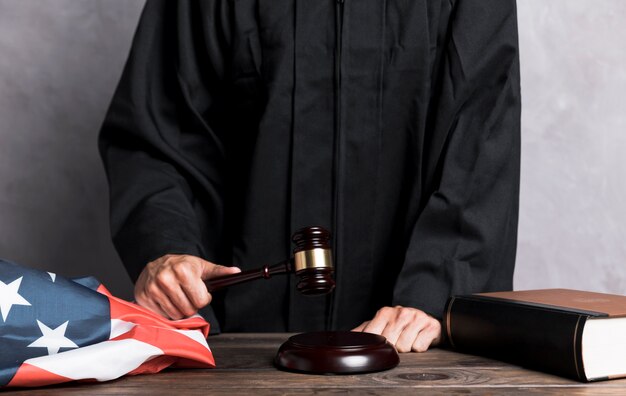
point(245, 367)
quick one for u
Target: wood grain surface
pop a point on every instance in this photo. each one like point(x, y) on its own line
point(244, 367)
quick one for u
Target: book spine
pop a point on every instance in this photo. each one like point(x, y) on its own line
point(538, 338)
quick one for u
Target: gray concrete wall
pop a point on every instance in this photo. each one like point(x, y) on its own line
point(573, 217)
point(60, 61)
point(59, 64)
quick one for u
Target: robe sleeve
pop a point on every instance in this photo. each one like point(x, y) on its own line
point(162, 151)
point(464, 239)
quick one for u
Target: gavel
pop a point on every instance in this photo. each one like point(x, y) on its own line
point(311, 263)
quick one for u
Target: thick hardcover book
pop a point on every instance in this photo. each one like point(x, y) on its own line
point(576, 334)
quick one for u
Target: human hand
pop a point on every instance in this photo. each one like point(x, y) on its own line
point(173, 285)
point(408, 329)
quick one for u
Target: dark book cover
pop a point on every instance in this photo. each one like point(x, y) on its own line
point(538, 329)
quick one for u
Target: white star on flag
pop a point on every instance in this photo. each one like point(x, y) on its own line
point(9, 297)
point(53, 276)
point(53, 339)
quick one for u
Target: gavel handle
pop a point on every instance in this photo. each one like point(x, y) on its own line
point(234, 279)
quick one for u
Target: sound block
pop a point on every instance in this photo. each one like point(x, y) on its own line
point(336, 352)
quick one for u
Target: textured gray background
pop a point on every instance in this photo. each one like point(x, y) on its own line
point(59, 64)
point(60, 61)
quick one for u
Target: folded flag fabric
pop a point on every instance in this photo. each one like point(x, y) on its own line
point(55, 330)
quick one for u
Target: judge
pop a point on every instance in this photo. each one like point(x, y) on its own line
point(394, 124)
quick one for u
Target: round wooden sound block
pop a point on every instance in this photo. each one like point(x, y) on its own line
point(336, 352)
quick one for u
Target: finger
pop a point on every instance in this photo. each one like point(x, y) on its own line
point(197, 293)
point(425, 338)
point(170, 309)
point(161, 311)
point(170, 294)
point(376, 325)
point(210, 270)
point(380, 320)
point(409, 335)
point(392, 331)
point(181, 301)
point(193, 289)
point(220, 270)
point(160, 298)
point(361, 326)
point(147, 302)
point(398, 322)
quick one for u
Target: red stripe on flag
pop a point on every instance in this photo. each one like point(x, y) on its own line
point(155, 365)
point(29, 375)
point(172, 344)
point(129, 312)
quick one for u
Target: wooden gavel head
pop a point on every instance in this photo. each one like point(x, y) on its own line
point(312, 261)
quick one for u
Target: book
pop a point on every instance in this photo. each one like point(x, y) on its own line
point(571, 333)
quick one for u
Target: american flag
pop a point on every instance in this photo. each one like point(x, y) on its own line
point(54, 330)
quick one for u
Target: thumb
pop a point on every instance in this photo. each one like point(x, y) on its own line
point(210, 270)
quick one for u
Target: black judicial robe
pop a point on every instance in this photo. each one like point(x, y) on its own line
point(393, 123)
